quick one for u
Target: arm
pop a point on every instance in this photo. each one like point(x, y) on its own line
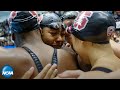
point(113, 75)
point(112, 63)
point(78, 74)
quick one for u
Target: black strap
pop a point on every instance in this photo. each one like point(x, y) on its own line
point(105, 42)
point(54, 57)
point(35, 59)
point(103, 69)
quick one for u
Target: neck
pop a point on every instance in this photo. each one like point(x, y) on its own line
point(30, 38)
point(97, 52)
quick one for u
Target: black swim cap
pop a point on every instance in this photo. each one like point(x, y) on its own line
point(92, 26)
point(51, 20)
point(69, 15)
point(23, 21)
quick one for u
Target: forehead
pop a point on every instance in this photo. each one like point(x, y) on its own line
point(56, 26)
point(55, 30)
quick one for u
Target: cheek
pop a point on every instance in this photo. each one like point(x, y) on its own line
point(63, 38)
point(47, 38)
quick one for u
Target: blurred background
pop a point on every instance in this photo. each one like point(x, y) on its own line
point(6, 38)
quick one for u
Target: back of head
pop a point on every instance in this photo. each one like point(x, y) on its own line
point(69, 15)
point(59, 13)
point(93, 26)
point(23, 21)
point(51, 20)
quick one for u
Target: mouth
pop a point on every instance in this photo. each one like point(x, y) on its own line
point(57, 46)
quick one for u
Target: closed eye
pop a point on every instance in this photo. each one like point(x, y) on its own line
point(63, 33)
point(53, 33)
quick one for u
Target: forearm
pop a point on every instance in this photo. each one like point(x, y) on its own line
point(92, 75)
point(100, 75)
point(113, 75)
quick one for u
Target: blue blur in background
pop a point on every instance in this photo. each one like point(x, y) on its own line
point(10, 46)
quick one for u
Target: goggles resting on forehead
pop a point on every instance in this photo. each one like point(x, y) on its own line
point(55, 25)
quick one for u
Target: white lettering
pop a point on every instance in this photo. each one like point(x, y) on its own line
point(7, 73)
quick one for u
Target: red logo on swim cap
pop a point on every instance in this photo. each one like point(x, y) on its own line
point(82, 20)
point(12, 16)
point(34, 13)
point(40, 18)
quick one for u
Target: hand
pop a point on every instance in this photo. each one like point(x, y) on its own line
point(69, 74)
point(48, 72)
point(28, 74)
point(57, 77)
point(68, 45)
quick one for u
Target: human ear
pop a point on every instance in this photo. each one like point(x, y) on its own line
point(110, 31)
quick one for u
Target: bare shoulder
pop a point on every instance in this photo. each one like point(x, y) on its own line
point(67, 60)
point(16, 58)
point(15, 54)
point(66, 54)
point(111, 62)
point(115, 46)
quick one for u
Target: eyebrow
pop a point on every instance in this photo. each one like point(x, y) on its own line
point(57, 30)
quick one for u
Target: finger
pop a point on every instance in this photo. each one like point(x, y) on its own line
point(28, 74)
point(50, 72)
point(68, 45)
point(54, 74)
point(42, 74)
point(67, 78)
point(63, 78)
point(57, 77)
point(70, 74)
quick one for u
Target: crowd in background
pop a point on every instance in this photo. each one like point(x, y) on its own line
point(6, 38)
